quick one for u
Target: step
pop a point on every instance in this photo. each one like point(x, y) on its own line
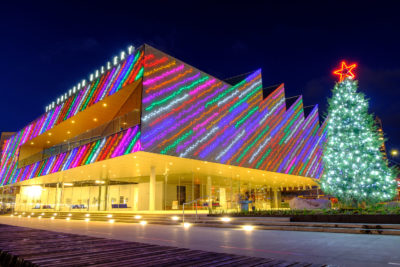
point(309, 229)
point(259, 223)
point(311, 224)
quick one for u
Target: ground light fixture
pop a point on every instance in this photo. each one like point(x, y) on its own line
point(248, 227)
point(42, 213)
point(87, 220)
point(69, 214)
point(32, 213)
point(137, 217)
point(29, 216)
point(143, 222)
point(175, 218)
point(52, 218)
point(225, 219)
point(68, 218)
point(39, 217)
point(187, 225)
point(109, 216)
point(111, 221)
point(87, 215)
point(55, 214)
point(19, 216)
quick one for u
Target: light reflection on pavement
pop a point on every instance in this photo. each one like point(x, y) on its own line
point(313, 247)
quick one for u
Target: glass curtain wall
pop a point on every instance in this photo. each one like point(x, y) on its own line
point(198, 189)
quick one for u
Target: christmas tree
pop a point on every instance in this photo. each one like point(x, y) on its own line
point(354, 168)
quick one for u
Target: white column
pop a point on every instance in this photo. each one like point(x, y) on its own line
point(165, 189)
point(152, 189)
point(209, 191)
point(276, 204)
point(58, 197)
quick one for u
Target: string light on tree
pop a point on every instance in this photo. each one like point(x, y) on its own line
point(354, 168)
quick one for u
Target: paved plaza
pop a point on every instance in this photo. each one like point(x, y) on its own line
point(314, 247)
point(28, 247)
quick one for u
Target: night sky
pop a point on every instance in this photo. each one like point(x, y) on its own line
point(47, 47)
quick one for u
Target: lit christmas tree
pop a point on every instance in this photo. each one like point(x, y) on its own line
point(354, 168)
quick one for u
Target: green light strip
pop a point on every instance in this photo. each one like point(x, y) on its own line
point(246, 117)
point(92, 152)
point(305, 164)
point(90, 95)
point(291, 169)
point(224, 93)
point(140, 74)
point(129, 71)
point(288, 128)
point(257, 89)
point(176, 93)
point(165, 150)
point(252, 144)
point(73, 102)
point(132, 143)
point(262, 159)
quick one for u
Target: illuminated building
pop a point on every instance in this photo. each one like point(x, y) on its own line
point(150, 132)
point(3, 137)
point(378, 123)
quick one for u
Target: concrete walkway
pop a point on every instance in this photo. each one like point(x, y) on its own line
point(321, 248)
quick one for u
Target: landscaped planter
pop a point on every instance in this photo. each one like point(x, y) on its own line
point(390, 219)
point(379, 218)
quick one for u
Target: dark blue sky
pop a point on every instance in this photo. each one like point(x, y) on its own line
point(48, 46)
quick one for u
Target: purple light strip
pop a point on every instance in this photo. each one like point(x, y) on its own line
point(194, 137)
point(122, 143)
point(166, 90)
point(201, 87)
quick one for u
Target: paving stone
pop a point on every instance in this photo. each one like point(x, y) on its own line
point(25, 247)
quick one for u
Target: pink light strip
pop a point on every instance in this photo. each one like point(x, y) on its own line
point(162, 76)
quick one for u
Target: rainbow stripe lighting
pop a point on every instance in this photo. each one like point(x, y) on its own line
point(187, 113)
point(118, 144)
point(125, 73)
point(184, 113)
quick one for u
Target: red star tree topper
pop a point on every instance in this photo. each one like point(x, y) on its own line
point(345, 71)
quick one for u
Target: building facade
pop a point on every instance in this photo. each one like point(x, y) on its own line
point(149, 132)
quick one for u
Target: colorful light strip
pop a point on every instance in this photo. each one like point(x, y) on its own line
point(185, 114)
point(85, 154)
point(107, 84)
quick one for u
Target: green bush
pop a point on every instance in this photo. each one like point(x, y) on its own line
point(378, 209)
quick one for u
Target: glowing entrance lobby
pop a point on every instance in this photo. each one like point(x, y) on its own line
point(150, 133)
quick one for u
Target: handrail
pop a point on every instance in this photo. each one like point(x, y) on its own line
point(106, 129)
point(55, 150)
point(193, 201)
